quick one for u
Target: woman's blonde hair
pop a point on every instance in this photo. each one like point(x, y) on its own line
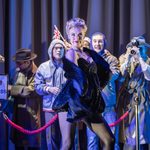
point(75, 22)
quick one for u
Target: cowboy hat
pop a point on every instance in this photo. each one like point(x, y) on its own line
point(24, 55)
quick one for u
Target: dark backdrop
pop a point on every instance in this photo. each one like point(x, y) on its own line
point(30, 24)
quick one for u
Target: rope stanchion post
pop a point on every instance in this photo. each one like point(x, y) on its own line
point(120, 119)
point(137, 123)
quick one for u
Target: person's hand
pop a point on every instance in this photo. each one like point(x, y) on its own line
point(137, 54)
point(54, 90)
point(132, 54)
point(128, 54)
point(9, 87)
point(67, 44)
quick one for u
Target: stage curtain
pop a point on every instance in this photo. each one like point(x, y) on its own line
point(30, 24)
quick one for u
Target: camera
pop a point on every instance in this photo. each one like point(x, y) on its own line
point(134, 42)
point(132, 52)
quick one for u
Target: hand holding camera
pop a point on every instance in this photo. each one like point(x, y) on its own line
point(132, 54)
point(133, 50)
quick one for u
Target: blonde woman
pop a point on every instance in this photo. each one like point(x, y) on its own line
point(80, 69)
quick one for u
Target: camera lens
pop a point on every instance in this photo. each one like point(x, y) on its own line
point(132, 52)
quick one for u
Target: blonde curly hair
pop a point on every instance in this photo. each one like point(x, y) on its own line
point(75, 22)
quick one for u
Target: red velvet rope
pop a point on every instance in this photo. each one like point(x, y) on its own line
point(21, 129)
point(25, 131)
point(119, 120)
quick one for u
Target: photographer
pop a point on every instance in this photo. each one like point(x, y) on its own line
point(135, 70)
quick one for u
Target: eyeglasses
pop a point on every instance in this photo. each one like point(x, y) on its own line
point(58, 47)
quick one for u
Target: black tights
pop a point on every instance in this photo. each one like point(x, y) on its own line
point(102, 130)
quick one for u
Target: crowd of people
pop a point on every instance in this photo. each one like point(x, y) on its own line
point(78, 83)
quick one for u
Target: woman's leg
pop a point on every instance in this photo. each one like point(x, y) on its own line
point(67, 131)
point(104, 134)
point(101, 128)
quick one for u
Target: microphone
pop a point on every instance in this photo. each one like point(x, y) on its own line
point(2, 59)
